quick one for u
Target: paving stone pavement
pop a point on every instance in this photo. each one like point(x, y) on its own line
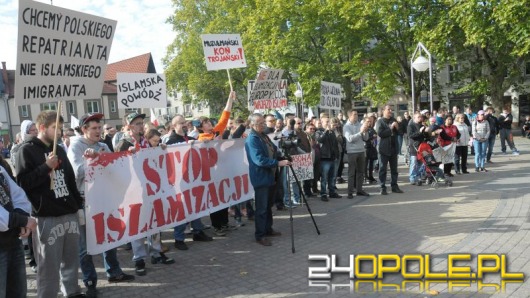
point(481, 213)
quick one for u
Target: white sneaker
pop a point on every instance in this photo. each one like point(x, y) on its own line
point(515, 153)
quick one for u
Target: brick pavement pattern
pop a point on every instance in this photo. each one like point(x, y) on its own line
point(481, 213)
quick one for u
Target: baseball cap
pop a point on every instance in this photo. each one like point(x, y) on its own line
point(132, 116)
point(89, 117)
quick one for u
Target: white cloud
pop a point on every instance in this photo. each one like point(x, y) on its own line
point(141, 27)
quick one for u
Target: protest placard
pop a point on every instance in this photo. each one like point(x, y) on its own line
point(130, 196)
point(223, 51)
point(141, 90)
point(280, 97)
point(266, 86)
point(302, 166)
point(330, 95)
point(62, 54)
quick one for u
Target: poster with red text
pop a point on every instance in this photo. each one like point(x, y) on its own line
point(223, 51)
point(130, 196)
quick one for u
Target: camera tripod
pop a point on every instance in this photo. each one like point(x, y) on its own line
point(291, 202)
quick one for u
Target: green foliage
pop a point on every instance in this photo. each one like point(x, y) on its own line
point(345, 40)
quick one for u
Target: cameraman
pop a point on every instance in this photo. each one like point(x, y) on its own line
point(261, 155)
point(329, 152)
point(290, 139)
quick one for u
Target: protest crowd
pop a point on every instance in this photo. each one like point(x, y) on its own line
point(436, 145)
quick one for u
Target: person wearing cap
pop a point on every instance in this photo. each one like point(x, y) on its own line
point(56, 247)
point(134, 141)
point(481, 133)
point(88, 146)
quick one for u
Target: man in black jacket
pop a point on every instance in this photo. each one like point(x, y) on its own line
point(415, 132)
point(329, 152)
point(494, 130)
point(505, 123)
point(57, 237)
point(386, 128)
point(178, 136)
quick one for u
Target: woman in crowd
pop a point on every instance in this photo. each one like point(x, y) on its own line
point(371, 150)
point(481, 133)
point(461, 145)
point(448, 135)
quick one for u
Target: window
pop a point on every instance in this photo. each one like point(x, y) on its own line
point(113, 106)
point(176, 110)
point(527, 68)
point(92, 106)
point(24, 111)
point(453, 72)
point(71, 107)
point(199, 107)
point(128, 111)
point(48, 106)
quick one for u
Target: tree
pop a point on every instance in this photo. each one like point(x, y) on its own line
point(488, 37)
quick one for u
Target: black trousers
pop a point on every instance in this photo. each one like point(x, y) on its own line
point(461, 158)
point(219, 218)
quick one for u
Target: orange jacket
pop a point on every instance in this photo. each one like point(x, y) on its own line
point(220, 127)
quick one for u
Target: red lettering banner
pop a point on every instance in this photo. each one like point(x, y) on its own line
point(130, 196)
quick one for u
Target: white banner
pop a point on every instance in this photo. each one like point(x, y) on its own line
point(141, 90)
point(130, 196)
point(302, 166)
point(280, 97)
point(330, 95)
point(264, 91)
point(223, 51)
point(62, 54)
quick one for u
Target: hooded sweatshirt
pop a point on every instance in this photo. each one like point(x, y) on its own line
point(24, 135)
point(33, 176)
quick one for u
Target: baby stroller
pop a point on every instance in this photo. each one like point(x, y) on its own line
point(431, 174)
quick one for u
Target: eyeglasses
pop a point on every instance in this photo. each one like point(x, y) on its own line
point(298, 122)
point(271, 120)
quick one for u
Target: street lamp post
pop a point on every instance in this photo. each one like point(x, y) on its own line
point(299, 94)
point(421, 64)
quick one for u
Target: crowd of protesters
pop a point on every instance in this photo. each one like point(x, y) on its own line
point(371, 145)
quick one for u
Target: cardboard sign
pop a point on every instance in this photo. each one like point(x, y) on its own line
point(266, 86)
point(330, 95)
point(223, 51)
point(141, 90)
point(302, 166)
point(62, 54)
point(130, 196)
point(280, 97)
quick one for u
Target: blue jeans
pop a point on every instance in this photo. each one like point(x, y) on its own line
point(294, 192)
point(263, 213)
point(327, 177)
point(480, 153)
point(196, 225)
point(110, 261)
point(491, 142)
point(13, 271)
point(414, 169)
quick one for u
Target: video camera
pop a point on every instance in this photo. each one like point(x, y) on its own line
point(290, 141)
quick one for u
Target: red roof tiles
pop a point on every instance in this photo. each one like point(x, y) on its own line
point(140, 64)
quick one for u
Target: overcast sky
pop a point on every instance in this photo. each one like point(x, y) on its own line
point(141, 27)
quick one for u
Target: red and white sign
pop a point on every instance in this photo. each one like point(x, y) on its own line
point(266, 90)
point(223, 51)
point(130, 196)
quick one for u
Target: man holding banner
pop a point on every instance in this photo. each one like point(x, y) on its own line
point(261, 155)
point(56, 239)
point(134, 141)
point(88, 146)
